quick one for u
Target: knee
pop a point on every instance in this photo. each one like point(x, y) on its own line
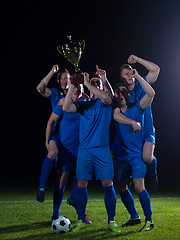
point(52, 153)
point(139, 187)
point(82, 184)
point(107, 183)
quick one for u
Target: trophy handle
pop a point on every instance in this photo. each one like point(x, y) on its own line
point(60, 50)
point(82, 44)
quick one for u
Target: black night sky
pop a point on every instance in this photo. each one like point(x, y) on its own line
point(112, 31)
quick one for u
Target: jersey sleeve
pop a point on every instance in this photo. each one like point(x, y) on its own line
point(54, 93)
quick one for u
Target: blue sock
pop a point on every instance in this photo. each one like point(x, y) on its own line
point(81, 201)
point(57, 199)
point(146, 205)
point(153, 167)
point(45, 171)
point(110, 202)
point(128, 202)
point(74, 190)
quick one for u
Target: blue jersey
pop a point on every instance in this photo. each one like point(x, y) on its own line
point(95, 118)
point(148, 128)
point(55, 97)
point(130, 143)
point(69, 129)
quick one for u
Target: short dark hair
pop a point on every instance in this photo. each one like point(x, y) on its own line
point(121, 84)
point(124, 66)
point(61, 71)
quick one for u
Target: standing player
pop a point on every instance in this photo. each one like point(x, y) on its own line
point(136, 92)
point(94, 152)
point(129, 161)
point(68, 146)
point(54, 95)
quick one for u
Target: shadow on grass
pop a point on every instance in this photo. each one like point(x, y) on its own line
point(24, 227)
point(85, 234)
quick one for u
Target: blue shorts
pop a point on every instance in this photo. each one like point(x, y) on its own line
point(66, 160)
point(98, 159)
point(129, 168)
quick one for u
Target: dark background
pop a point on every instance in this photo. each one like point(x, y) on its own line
point(112, 31)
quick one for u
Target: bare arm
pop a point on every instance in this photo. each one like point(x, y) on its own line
point(68, 106)
point(121, 118)
point(150, 93)
point(105, 98)
point(151, 67)
point(53, 118)
point(42, 86)
point(107, 85)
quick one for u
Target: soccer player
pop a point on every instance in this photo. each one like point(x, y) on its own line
point(68, 146)
point(129, 162)
point(136, 91)
point(54, 94)
point(94, 152)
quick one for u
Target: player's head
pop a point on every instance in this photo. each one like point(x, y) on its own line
point(125, 74)
point(96, 81)
point(122, 94)
point(77, 91)
point(63, 78)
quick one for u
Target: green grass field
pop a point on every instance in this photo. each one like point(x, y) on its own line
point(21, 217)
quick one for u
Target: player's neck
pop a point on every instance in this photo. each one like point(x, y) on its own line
point(131, 86)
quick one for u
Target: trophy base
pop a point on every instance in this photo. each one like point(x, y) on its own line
point(77, 79)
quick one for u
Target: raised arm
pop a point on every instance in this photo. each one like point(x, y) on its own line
point(150, 93)
point(106, 84)
point(42, 86)
point(121, 118)
point(53, 118)
point(105, 98)
point(151, 67)
point(68, 106)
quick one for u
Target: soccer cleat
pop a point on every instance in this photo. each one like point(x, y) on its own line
point(131, 222)
point(87, 220)
point(40, 195)
point(113, 226)
point(147, 226)
point(79, 226)
point(71, 203)
point(53, 218)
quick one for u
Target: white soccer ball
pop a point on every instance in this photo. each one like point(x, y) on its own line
point(61, 224)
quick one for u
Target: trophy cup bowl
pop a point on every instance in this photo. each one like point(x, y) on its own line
point(72, 51)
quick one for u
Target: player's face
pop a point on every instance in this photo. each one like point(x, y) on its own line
point(96, 82)
point(64, 80)
point(121, 95)
point(76, 92)
point(126, 74)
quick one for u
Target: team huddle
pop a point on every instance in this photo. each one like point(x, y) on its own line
point(77, 139)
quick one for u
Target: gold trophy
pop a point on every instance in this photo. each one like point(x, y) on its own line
point(72, 51)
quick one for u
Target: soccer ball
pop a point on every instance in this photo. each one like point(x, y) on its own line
point(61, 224)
